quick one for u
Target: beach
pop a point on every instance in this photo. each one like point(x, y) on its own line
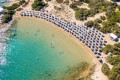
point(97, 74)
point(84, 49)
point(52, 50)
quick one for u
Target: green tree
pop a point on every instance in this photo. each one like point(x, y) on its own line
point(105, 69)
point(89, 24)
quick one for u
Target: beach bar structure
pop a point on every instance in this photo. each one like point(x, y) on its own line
point(113, 36)
point(2, 10)
point(91, 37)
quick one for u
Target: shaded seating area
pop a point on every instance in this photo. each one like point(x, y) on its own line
point(91, 37)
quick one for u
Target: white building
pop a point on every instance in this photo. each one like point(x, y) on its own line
point(1, 10)
point(1, 17)
point(113, 36)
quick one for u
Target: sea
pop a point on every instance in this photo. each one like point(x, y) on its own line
point(4, 3)
point(33, 49)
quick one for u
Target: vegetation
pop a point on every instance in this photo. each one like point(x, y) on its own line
point(109, 26)
point(113, 60)
point(73, 6)
point(102, 17)
point(94, 23)
point(114, 49)
point(59, 1)
point(57, 8)
point(19, 9)
point(86, 1)
point(98, 6)
point(13, 7)
point(8, 16)
point(115, 0)
point(89, 24)
point(114, 73)
point(81, 14)
point(98, 21)
point(105, 69)
point(38, 5)
point(10, 11)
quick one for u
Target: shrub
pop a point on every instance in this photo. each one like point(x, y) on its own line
point(89, 24)
point(6, 18)
point(73, 6)
point(98, 21)
point(19, 9)
point(14, 6)
point(102, 17)
point(38, 5)
point(59, 1)
point(105, 69)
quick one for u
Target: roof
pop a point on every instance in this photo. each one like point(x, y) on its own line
point(1, 9)
point(118, 39)
point(113, 36)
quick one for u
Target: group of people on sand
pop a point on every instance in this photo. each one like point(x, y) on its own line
point(89, 36)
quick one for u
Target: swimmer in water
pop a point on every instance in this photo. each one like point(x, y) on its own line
point(35, 34)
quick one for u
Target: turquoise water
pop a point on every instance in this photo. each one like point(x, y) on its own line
point(33, 50)
point(3, 4)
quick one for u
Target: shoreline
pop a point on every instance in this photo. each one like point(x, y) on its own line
point(90, 53)
point(95, 60)
point(97, 72)
point(90, 37)
point(80, 43)
point(59, 30)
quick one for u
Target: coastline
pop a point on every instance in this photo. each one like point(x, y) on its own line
point(96, 74)
point(74, 51)
point(95, 60)
point(97, 71)
point(6, 26)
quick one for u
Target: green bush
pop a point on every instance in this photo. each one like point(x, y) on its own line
point(105, 69)
point(89, 24)
point(8, 16)
point(38, 5)
point(59, 1)
point(98, 21)
point(19, 9)
point(113, 60)
point(115, 73)
point(73, 6)
point(13, 7)
point(21, 2)
point(102, 17)
point(114, 49)
point(81, 14)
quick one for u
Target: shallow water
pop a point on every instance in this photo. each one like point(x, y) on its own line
point(36, 50)
point(5, 3)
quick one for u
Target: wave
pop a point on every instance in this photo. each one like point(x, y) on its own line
point(3, 46)
point(4, 37)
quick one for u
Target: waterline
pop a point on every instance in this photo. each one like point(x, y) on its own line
point(39, 51)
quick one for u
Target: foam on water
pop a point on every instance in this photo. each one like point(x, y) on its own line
point(2, 51)
point(3, 38)
point(26, 56)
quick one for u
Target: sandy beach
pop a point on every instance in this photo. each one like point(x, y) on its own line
point(97, 75)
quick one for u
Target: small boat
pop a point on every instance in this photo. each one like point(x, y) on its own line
point(2, 1)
